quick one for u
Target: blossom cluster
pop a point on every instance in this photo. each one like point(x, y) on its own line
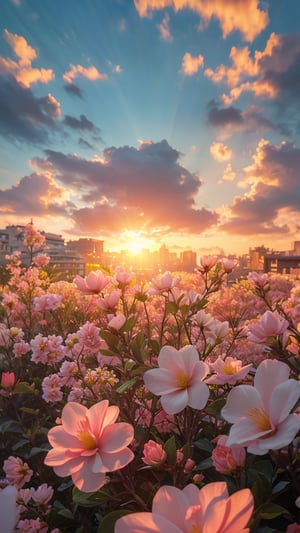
point(169, 405)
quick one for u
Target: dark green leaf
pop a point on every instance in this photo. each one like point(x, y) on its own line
point(107, 525)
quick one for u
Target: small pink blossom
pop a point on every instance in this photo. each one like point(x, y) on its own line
point(227, 458)
point(8, 380)
point(21, 348)
point(89, 336)
point(43, 494)
point(47, 302)
point(178, 380)
point(270, 325)
point(207, 262)
point(209, 509)
point(229, 264)
point(123, 277)
point(16, 471)
point(260, 414)
point(88, 444)
point(32, 525)
point(163, 283)
point(228, 371)
point(293, 528)
point(117, 322)
point(109, 301)
point(51, 387)
point(154, 454)
point(41, 260)
point(93, 283)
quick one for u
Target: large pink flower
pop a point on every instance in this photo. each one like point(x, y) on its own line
point(178, 380)
point(270, 325)
point(261, 414)
point(93, 283)
point(209, 510)
point(88, 444)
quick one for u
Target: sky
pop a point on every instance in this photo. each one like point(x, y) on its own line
point(150, 122)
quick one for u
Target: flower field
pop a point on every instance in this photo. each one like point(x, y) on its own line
point(166, 406)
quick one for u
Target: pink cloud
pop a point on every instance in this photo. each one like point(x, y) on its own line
point(22, 70)
point(164, 29)
point(249, 20)
point(267, 74)
point(191, 64)
point(220, 152)
point(91, 73)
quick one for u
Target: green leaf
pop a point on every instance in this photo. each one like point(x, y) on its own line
point(30, 411)
point(10, 426)
point(271, 510)
point(215, 407)
point(170, 449)
point(24, 388)
point(138, 348)
point(127, 385)
point(107, 525)
point(89, 499)
point(204, 444)
point(205, 464)
point(128, 324)
point(172, 308)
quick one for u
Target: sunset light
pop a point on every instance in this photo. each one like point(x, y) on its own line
point(128, 119)
point(135, 242)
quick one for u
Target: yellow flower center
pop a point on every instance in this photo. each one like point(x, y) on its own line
point(87, 440)
point(229, 368)
point(260, 418)
point(182, 380)
point(195, 529)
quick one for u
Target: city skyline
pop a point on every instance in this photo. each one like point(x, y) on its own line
point(150, 122)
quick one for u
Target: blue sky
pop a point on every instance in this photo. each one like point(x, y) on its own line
point(158, 121)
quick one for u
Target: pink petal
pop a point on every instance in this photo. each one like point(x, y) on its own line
point(245, 431)
point(116, 436)
point(115, 461)
point(96, 415)
point(59, 438)
point(239, 510)
point(69, 467)
point(268, 375)
point(168, 357)
point(212, 491)
point(86, 480)
point(283, 399)
point(145, 523)
point(198, 395)
point(160, 381)
point(72, 413)
point(239, 401)
point(171, 503)
point(285, 434)
point(175, 402)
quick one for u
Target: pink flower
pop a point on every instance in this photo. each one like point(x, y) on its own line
point(43, 494)
point(261, 414)
point(41, 260)
point(178, 380)
point(93, 283)
point(8, 379)
point(293, 528)
point(117, 322)
point(228, 371)
point(47, 302)
point(123, 277)
point(229, 264)
point(164, 283)
point(154, 454)
point(8, 508)
point(16, 471)
point(51, 387)
point(209, 510)
point(269, 325)
point(32, 525)
point(225, 458)
point(88, 443)
point(207, 262)
point(109, 301)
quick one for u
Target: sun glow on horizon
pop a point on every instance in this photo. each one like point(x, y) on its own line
point(136, 241)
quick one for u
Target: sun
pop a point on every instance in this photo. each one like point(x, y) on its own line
point(136, 241)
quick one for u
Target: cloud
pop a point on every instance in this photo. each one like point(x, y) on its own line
point(191, 64)
point(231, 119)
point(23, 116)
point(72, 89)
point(272, 205)
point(22, 70)
point(164, 29)
point(90, 73)
point(32, 196)
point(220, 152)
point(229, 174)
point(82, 124)
point(245, 16)
point(138, 188)
point(271, 73)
